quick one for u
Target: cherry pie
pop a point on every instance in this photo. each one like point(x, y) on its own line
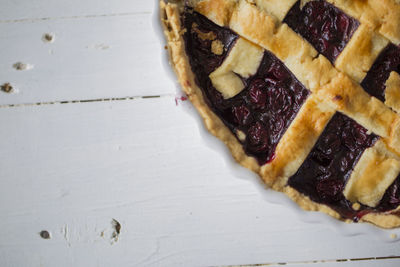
point(304, 93)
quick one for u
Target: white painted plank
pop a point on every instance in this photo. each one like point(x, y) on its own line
point(91, 58)
point(33, 9)
point(71, 168)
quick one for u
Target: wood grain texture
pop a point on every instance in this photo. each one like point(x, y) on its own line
point(349, 263)
point(70, 169)
point(14, 10)
point(91, 58)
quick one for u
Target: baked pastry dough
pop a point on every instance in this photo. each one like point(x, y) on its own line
point(304, 93)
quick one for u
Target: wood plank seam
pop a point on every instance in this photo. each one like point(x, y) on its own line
point(317, 261)
point(74, 17)
point(113, 99)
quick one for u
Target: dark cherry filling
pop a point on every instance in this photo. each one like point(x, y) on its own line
point(264, 109)
point(388, 61)
point(203, 61)
point(391, 199)
point(273, 96)
point(326, 27)
point(327, 168)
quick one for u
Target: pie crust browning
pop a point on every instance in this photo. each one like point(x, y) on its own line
point(173, 31)
point(333, 87)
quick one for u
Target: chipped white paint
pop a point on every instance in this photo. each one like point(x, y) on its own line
point(99, 46)
point(48, 38)
point(71, 166)
point(101, 56)
point(84, 164)
point(22, 66)
point(17, 10)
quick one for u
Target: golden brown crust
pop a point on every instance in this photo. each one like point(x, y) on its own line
point(296, 143)
point(392, 92)
point(375, 171)
point(348, 97)
point(384, 220)
point(332, 88)
point(360, 53)
point(316, 73)
point(244, 59)
point(381, 15)
point(307, 204)
point(219, 11)
point(180, 63)
point(277, 8)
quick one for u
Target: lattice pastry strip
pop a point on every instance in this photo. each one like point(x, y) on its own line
point(367, 165)
point(378, 26)
point(243, 61)
point(363, 42)
point(276, 8)
point(237, 69)
point(362, 50)
point(392, 91)
point(313, 70)
point(375, 171)
point(297, 143)
point(381, 15)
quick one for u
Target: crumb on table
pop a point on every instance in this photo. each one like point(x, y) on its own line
point(6, 88)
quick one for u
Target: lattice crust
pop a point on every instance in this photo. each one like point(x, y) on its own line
point(392, 92)
point(296, 143)
point(173, 30)
point(361, 52)
point(381, 15)
point(375, 171)
point(313, 70)
point(334, 88)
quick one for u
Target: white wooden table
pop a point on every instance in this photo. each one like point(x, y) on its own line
point(81, 146)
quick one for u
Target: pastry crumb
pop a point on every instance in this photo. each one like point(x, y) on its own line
point(22, 66)
point(356, 206)
point(217, 47)
point(393, 236)
point(211, 36)
point(241, 135)
point(48, 37)
point(6, 88)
